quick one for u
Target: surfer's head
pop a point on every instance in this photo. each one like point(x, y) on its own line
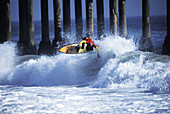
point(85, 38)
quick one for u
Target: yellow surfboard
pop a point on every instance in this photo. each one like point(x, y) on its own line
point(69, 49)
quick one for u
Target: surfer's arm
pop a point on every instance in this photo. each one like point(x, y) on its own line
point(97, 49)
point(97, 52)
point(80, 44)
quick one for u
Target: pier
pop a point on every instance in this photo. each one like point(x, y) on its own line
point(26, 44)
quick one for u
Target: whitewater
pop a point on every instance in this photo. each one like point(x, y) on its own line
point(122, 80)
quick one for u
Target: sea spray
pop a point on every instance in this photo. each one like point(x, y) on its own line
point(7, 57)
point(115, 45)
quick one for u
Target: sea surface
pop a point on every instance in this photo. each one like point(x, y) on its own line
point(122, 80)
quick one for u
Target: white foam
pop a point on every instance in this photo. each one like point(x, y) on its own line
point(56, 70)
point(141, 70)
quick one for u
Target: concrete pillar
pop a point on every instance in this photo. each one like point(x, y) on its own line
point(57, 22)
point(45, 44)
point(26, 44)
point(100, 17)
point(113, 17)
point(89, 18)
point(78, 15)
point(166, 45)
point(5, 21)
point(66, 17)
point(145, 43)
point(122, 18)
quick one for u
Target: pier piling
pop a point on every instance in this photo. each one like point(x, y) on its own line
point(78, 19)
point(145, 43)
point(45, 44)
point(26, 43)
point(122, 18)
point(57, 22)
point(66, 17)
point(100, 17)
point(5, 21)
point(113, 17)
point(166, 45)
point(89, 18)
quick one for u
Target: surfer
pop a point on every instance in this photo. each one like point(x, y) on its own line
point(87, 45)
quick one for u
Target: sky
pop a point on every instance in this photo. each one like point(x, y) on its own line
point(133, 8)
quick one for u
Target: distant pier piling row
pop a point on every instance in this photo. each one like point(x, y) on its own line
point(26, 43)
point(5, 21)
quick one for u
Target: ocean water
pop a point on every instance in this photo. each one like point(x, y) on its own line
point(123, 80)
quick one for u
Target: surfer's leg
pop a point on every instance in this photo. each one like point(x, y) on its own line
point(89, 47)
point(77, 48)
point(83, 44)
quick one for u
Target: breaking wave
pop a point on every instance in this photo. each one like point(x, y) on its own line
point(120, 66)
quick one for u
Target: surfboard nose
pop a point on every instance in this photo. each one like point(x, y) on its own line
point(63, 50)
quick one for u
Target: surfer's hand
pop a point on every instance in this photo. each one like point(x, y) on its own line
point(98, 55)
